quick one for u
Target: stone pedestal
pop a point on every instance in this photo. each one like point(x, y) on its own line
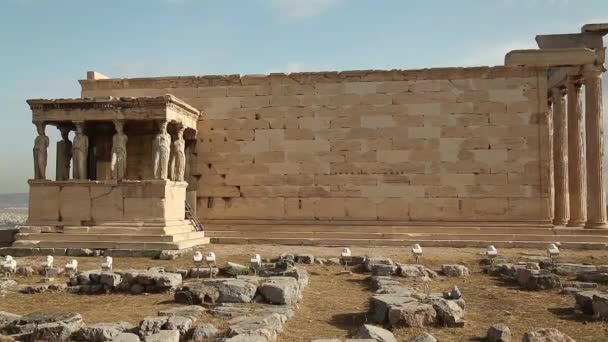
point(148, 214)
point(576, 157)
point(560, 157)
point(596, 198)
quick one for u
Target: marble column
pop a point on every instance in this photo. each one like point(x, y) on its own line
point(560, 157)
point(596, 198)
point(577, 176)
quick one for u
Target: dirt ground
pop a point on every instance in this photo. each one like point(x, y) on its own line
point(335, 305)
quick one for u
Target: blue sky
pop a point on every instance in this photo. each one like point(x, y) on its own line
point(46, 46)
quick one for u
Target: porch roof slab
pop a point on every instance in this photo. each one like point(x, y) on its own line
point(166, 107)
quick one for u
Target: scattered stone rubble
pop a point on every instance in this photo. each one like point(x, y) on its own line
point(398, 305)
point(133, 281)
point(274, 297)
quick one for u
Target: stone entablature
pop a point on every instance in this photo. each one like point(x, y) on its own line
point(354, 76)
point(165, 107)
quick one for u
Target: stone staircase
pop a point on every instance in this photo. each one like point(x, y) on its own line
point(357, 233)
point(116, 235)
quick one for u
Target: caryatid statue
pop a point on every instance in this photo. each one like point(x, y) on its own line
point(179, 153)
point(41, 143)
point(118, 164)
point(162, 149)
point(64, 154)
point(80, 150)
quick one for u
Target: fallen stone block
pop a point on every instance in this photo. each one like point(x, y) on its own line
point(453, 270)
point(190, 311)
point(301, 275)
point(567, 269)
point(233, 290)
point(169, 254)
point(126, 337)
point(280, 290)
point(537, 280)
point(449, 312)
point(30, 289)
point(581, 285)
point(305, 259)
point(236, 269)
point(424, 337)
point(266, 326)
point(110, 279)
point(412, 314)
point(546, 335)
point(203, 272)
point(499, 333)
point(584, 301)
point(163, 336)
point(384, 270)
point(370, 262)
point(380, 304)
point(179, 323)
point(204, 332)
point(415, 271)
point(375, 333)
point(101, 332)
point(152, 325)
point(48, 327)
point(600, 306)
point(7, 318)
point(197, 293)
point(594, 277)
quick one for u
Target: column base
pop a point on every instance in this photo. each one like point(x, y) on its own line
point(578, 224)
point(560, 222)
point(596, 225)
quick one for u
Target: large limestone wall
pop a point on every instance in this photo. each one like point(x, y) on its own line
point(457, 144)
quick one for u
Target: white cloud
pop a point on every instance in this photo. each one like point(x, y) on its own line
point(303, 8)
point(495, 54)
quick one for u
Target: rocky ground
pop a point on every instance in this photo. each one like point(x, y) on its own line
point(336, 305)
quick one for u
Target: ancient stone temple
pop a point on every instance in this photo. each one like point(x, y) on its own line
point(444, 156)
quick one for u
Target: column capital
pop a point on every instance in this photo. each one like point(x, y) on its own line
point(591, 71)
point(557, 93)
point(574, 80)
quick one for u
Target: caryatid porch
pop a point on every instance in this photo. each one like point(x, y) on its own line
point(123, 180)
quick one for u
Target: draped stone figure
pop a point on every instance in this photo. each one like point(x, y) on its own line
point(64, 154)
point(41, 143)
point(179, 153)
point(80, 150)
point(162, 146)
point(118, 163)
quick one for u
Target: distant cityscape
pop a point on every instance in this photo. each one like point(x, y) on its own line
point(13, 210)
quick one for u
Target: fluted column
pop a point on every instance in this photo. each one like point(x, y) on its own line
point(577, 185)
point(596, 198)
point(560, 157)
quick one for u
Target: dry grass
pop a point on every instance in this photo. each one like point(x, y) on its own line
point(334, 306)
